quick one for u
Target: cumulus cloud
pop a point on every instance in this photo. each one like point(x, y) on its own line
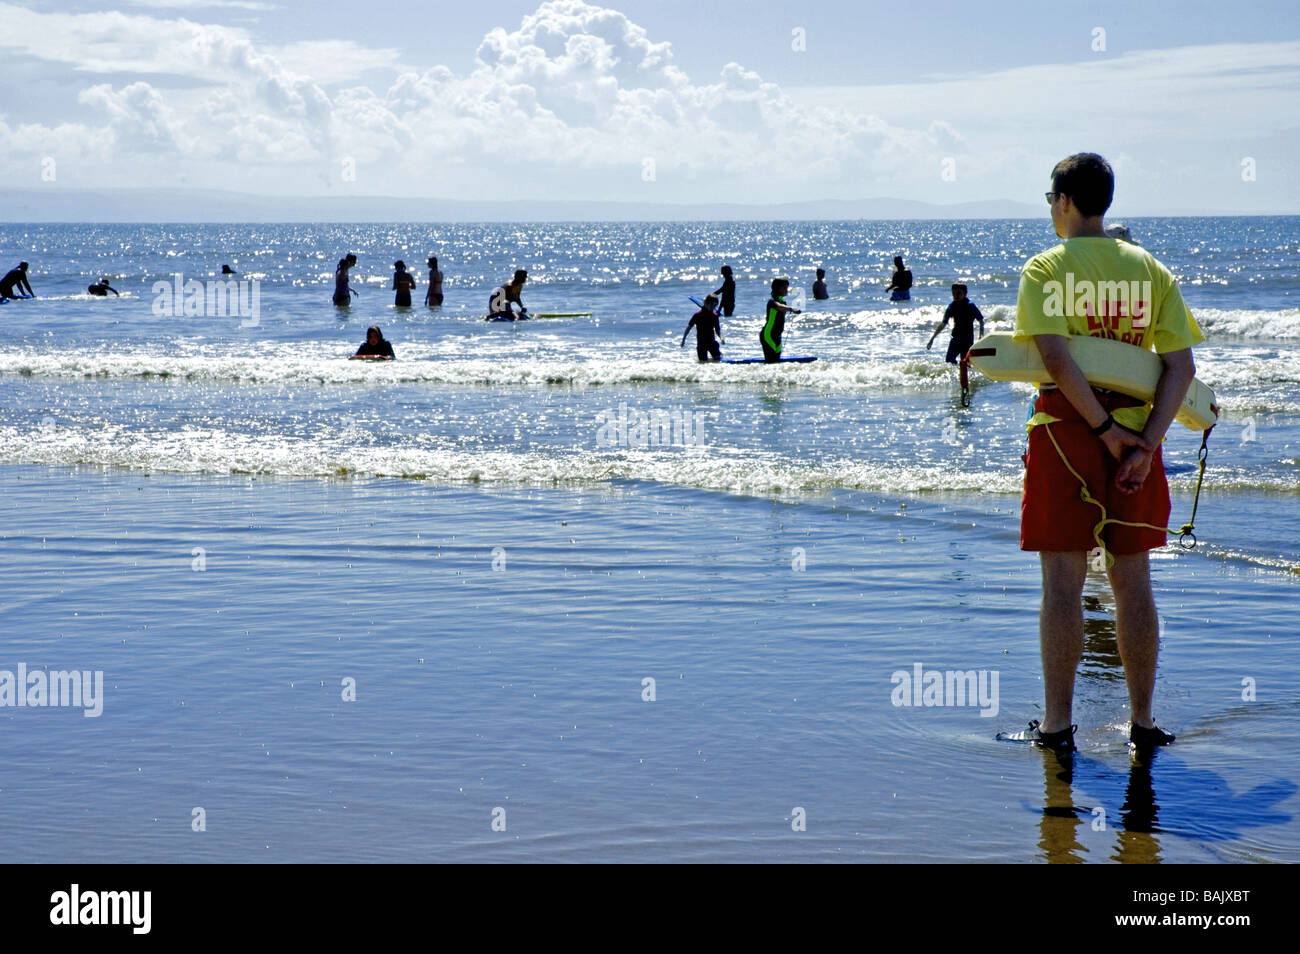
point(575, 89)
point(584, 87)
point(573, 102)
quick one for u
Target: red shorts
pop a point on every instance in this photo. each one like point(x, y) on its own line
point(1052, 514)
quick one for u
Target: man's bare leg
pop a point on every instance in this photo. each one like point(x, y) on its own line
point(1137, 631)
point(1060, 633)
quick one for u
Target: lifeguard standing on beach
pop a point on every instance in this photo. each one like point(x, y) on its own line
point(1104, 440)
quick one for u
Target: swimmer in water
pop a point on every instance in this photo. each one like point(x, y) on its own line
point(342, 290)
point(433, 297)
point(404, 283)
point(101, 289)
point(900, 283)
point(375, 348)
point(819, 286)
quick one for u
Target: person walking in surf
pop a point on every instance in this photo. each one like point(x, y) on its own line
point(964, 314)
point(708, 331)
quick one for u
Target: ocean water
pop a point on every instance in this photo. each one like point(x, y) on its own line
point(239, 528)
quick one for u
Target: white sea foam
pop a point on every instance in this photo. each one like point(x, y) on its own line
point(422, 367)
point(350, 453)
point(1242, 323)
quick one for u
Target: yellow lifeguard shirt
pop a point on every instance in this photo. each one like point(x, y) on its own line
point(1104, 288)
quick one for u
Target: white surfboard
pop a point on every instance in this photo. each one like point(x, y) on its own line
point(1113, 365)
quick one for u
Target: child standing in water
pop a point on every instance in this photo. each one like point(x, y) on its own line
point(727, 291)
point(819, 286)
point(404, 282)
point(707, 331)
point(774, 324)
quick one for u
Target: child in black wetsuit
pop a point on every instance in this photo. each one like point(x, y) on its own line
point(769, 339)
point(707, 331)
point(727, 291)
point(964, 314)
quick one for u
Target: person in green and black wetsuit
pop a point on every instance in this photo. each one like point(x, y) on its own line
point(774, 324)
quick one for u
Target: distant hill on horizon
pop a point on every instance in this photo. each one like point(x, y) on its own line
point(57, 204)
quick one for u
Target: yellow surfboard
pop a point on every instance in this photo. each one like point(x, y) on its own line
point(1113, 365)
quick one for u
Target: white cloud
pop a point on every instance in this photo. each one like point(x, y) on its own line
point(199, 4)
point(574, 100)
point(328, 62)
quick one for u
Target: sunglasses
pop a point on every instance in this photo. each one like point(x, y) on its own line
point(1051, 196)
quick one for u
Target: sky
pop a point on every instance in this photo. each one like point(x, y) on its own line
point(1194, 104)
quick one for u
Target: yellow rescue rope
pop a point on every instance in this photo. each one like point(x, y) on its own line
point(1184, 533)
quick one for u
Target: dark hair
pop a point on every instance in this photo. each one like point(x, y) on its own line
point(350, 258)
point(778, 282)
point(956, 285)
point(821, 273)
point(375, 329)
point(22, 264)
point(1087, 179)
point(898, 261)
point(726, 269)
point(520, 275)
point(399, 265)
point(433, 261)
